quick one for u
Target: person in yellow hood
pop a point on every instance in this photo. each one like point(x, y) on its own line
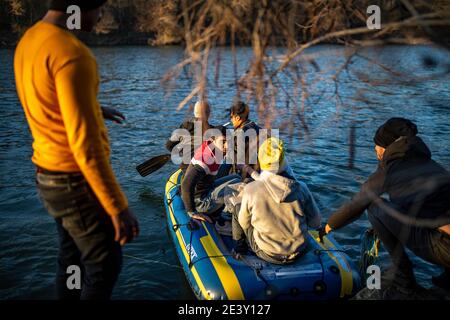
point(57, 83)
point(276, 209)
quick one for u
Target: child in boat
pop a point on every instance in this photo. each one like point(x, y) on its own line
point(201, 192)
point(276, 209)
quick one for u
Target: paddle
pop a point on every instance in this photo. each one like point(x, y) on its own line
point(156, 163)
point(152, 164)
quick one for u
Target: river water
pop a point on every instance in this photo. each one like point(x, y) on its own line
point(130, 82)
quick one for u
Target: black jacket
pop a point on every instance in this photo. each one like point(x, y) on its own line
point(176, 139)
point(415, 184)
point(251, 147)
point(195, 184)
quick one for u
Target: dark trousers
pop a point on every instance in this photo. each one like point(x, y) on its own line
point(214, 200)
point(86, 236)
point(429, 244)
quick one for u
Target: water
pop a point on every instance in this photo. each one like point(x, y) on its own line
point(131, 83)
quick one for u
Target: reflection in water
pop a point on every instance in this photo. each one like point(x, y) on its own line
point(322, 156)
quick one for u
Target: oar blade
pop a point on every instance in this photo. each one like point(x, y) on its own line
point(152, 164)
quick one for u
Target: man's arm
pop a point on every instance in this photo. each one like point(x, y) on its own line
point(170, 144)
point(76, 86)
point(352, 210)
point(194, 174)
point(248, 171)
point(113, 115)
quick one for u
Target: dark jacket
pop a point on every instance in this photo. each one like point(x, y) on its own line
point(175, 139)
point(200, 175)
point(415, 184)
point(196, 183)
point(251, 147)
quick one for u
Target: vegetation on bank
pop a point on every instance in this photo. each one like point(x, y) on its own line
point(162, 22)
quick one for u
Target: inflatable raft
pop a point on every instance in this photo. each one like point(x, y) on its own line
point(324, 272)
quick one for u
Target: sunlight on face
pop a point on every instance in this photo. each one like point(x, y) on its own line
point(235, 120)
point(221, 144)
point(380, 152)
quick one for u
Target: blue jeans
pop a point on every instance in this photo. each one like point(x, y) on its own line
point(86, 236)
point(213, 201)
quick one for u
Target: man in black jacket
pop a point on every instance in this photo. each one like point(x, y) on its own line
point(417, 215)
point(246, 134)
point(199, 123)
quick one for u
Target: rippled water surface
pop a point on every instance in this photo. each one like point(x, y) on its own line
point(131, 82)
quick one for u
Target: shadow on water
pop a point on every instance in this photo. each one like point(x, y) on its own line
point(150, 197)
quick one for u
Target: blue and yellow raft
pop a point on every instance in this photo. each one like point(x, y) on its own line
point(324, 272)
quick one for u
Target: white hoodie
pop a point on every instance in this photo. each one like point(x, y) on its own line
point(280, 210)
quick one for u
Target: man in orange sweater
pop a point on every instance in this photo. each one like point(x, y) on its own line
point(57, 83)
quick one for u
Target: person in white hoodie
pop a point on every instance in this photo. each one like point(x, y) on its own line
point(276, 210)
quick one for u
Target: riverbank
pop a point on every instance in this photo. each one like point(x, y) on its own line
point(9, 40)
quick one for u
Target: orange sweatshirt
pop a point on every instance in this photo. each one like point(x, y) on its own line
point(57, 83)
